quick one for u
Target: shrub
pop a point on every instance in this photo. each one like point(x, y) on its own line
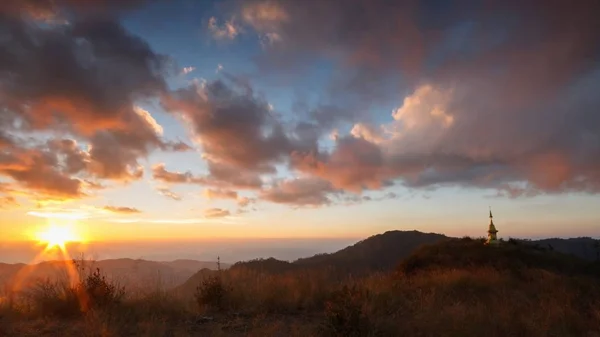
point(344, 312)
point(60, 299)
point(212, 293)
point(96, 292)
point(54, 299)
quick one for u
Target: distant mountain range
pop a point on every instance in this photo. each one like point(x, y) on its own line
point(584, 248)
point(131, 273)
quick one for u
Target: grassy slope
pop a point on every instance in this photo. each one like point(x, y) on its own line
point(452, 288)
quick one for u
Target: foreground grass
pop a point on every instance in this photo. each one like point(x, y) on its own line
point(457, 288)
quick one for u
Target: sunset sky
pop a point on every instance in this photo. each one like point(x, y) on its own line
point(196, 120)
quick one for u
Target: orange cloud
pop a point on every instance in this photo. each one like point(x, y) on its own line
point(216, 213)
point(121, 210)
point(220, 194)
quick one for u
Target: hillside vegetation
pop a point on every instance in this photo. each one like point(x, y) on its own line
point(454, 287)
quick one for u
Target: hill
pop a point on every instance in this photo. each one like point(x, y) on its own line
point(512, 256)
point(377, 253)
point(451, 287)
point(380, 252)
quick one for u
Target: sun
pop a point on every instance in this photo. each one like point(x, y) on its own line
point(57, 236)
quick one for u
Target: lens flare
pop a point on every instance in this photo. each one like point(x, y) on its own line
point(57, 236)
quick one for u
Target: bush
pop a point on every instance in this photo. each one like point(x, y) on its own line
point(212, 293)
point(60, 299)
point(344, 312)
point(54, 299)
point(96, 292)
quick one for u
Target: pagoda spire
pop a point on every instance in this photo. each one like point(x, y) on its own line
point(492, 231)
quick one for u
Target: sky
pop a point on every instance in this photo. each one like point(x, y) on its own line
point(182, 120)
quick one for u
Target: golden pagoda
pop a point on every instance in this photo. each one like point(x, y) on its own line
point(492, 238)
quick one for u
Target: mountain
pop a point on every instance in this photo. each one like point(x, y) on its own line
point(377, 253)
point(584, 247)
point(131, 273)
point(381, 252)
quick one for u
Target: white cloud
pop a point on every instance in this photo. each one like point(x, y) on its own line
point(367, 132)
point(147, 117)
point(187, 70)
point(427, 105)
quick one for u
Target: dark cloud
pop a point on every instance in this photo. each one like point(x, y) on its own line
point(355, 164)
point(40, 172)
point(227, 176)
point(83, 76)
point(178, 146)
point(75, 159)
point(216, 213)
point(299, 192)
point(121, 210)
point(220, 176)
point(235, 127)
point(493, 94)
point(53, 9)
point(81, 79)
point(411, 40)
point(490, 94)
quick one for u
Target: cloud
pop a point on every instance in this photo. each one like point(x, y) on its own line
point(187, 70)
point(227, 31)
point(178, 146)
point(121, 210)
point(220, 194)
point(8, 202)
point(159, 172)
point(216, 213)
point(299, 192)
point(475, 105)
point(354, 165)
point(234, 127)
point(52, 10)
point(226, 194)
point(79, 80)
point(40, 172)
point(245, 201)
point(223, 220)
point(220, 176)
point(169, 194)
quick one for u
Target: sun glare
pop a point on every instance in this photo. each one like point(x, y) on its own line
point(57, 236)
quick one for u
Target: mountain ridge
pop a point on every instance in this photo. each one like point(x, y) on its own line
point(377, 253)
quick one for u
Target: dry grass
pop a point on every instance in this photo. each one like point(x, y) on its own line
point(452, 294)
